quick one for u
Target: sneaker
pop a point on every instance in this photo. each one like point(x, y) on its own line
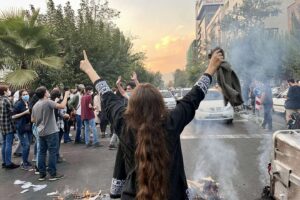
point(56, 177)
point(26, 166)
point(60, 159)
point(68, 141)
point(12, 166)
point(36, 170)
point(42, 177)
point(112, 147)
point(3, 165)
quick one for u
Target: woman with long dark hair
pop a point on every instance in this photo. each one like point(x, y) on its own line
point(150, 135)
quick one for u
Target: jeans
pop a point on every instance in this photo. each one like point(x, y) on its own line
point(67, 131)
point(87, 124)
point(25, 139)
point(60, 135)
point(37, 144)
point(267, 116)
point(78, 128)
point(6, 148)
point(50, 143)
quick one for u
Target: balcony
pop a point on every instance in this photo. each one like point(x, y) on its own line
point(201, 6)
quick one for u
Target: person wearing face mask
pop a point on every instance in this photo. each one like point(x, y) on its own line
point(7, 128)
point(23, 125)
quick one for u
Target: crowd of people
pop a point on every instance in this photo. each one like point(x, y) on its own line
point(259, 96)
point(43, 119)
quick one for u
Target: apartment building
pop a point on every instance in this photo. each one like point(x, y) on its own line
point(208, 22)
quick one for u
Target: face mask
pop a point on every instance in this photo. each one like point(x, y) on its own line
point(128, 93)
point(25, 98)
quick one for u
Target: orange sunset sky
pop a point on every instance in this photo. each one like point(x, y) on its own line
point(163, 29)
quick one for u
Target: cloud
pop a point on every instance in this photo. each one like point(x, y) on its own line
point(165, 42)
point(169, 53)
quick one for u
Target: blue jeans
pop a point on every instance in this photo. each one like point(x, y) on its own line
point(267, 116)
point(78, 128)
point(25, 139)
point(87, 124)
point(6, 148)
point(50, 143)
point(37, 143)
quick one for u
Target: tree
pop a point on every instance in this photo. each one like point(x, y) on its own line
point(26, 46)
point(91, 29)
point(180, 79)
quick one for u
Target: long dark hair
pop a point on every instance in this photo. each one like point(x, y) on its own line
point(146, 113)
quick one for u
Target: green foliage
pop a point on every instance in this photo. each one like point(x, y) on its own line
point(91, 28)
point(180, 79)
point(25, 46)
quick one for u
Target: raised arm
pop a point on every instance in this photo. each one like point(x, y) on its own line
point(87, 68)
point(112, 104)
point(135, 79)
point(185, 109)
point(120, 88)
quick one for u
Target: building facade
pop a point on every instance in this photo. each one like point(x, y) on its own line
point(209, 16)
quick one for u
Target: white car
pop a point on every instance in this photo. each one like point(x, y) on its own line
point(169, 99)
point(279, 101)
point(213, 108)
point(180, 93)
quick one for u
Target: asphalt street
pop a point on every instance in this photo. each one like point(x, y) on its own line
point(236, 156)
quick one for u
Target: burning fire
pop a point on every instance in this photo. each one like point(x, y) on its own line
point(86, 195)
point(205, 189)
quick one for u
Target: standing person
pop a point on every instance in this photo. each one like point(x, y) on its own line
point(60, 114)
point(292, 103)
point(24, 127)
point(44, 118)
point(67, 122)
point(34, 99)
point(7, 128)
point(150, 135)
point(75, 105)
point(88, 117)
point(267, 102)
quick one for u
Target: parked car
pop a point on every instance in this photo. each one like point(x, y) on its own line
point(180, 93)
point(279, 101)
point(169, 99)
point(213, 108)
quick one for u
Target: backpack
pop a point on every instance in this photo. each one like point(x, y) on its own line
point(294, 122)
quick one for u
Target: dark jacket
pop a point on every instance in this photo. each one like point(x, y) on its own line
point(23, 121)
point(177, 119)
point(293, 98)
point(230, 84)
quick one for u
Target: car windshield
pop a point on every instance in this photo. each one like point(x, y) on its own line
point(166, 94)
point(213, 95)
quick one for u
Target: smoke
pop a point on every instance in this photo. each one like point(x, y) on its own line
point(257, 55)
point(218, 160)
point(265, 150)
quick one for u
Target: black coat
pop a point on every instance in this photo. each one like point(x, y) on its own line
point(177, 119)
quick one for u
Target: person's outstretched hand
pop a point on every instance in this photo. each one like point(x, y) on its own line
point(85, 64)
point(214, 63)
point(134, 76)
point(119, 80)
point(87, 68)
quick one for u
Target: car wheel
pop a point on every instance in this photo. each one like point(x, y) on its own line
point(229, 121)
